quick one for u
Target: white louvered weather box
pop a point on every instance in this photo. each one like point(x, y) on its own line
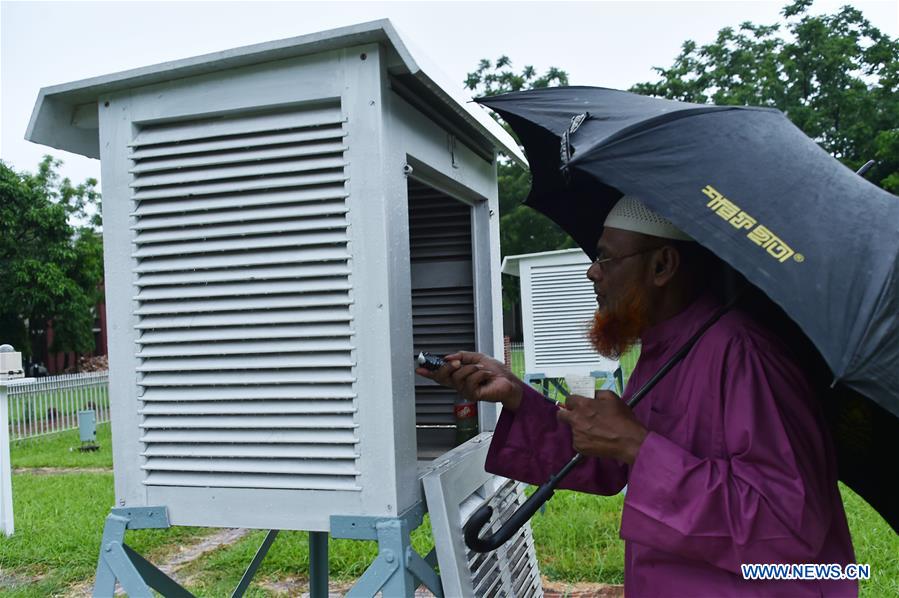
point(285, 224)
point(558, 303)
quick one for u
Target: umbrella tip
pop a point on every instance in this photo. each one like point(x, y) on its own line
point(868, 165)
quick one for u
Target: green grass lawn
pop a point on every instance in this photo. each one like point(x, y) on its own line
point(59, 518)
point(61, 450)
point(875, 544)
point(59, 523)
point(218, 573)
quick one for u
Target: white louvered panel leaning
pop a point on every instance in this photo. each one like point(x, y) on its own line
point(455, 487)
point(563, 306)
point(243, 295)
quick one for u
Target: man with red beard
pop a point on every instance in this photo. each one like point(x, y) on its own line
point(727, 460)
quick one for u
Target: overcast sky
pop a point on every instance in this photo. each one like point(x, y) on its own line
point(611, 44)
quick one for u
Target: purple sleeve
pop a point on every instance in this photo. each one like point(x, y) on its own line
point(531, 444)
point(768, 500)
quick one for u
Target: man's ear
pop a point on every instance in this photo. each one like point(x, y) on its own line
point(665, 264)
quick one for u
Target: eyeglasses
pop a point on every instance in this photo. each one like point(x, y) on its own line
point(603, 261)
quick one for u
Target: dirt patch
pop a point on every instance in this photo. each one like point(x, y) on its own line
point(560, 589)
point(299, 586)
point(9, 581)
point(183, 556)
point(191, 552)
point(60, 470)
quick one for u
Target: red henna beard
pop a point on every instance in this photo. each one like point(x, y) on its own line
point(616, 328)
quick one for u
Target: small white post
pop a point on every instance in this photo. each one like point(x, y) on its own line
point(6, 519)
point(6, 516)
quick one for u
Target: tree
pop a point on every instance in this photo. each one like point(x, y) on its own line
point(522, 229)
point(51, 258)
point(835, 76)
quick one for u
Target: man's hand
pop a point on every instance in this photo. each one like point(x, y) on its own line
point(478, 377)
point(603, 427)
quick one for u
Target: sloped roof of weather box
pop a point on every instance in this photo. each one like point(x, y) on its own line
point(65, 116)
point(511, 263)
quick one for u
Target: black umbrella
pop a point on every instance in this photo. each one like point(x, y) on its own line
point(817, 239)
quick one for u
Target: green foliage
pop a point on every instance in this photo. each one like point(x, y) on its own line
point(51, 258)
point(522, 230)
point(499, 77)
point(835, 76)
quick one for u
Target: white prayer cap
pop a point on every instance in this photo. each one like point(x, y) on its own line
point(630, 214)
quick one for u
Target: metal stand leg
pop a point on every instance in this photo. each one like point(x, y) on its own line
point(254, 564)
point(318, 565)
point(118, 562)
point(398, 570)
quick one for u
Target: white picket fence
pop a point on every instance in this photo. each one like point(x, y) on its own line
point(51, 404)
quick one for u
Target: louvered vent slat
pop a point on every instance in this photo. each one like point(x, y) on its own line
point(237, 438)
point(237, 274)
point(248, 125)
point(302, 236)
point(286, 406)
point(238, 141)
point(249, 377)
point(252, 480)
point(219, 172)
point(240, 230)
point(243, 299)
point(248, 465)
point(283, 331)
point(238, 156)
point(233, 422)
point(308, 179)
point(260, 392)
point(299, 256)
point(443, 317)
point(337, 359)
point(302, 316)
point(270, 287)
point(187, 205)
point(241, 304)
point(240, 348)
point(242, 214)
point(279, 451)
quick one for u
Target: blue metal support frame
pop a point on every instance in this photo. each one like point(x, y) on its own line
point(613, 381)
point(254, 564)
point(118, 562)
point(318, 565)
point(398, 570)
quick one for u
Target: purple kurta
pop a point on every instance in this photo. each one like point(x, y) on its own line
point(737, 467)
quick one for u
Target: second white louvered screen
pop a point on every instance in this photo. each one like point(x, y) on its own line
point(242, 302)
point(563, 304)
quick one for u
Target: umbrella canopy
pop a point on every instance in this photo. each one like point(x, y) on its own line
point(818, 240)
